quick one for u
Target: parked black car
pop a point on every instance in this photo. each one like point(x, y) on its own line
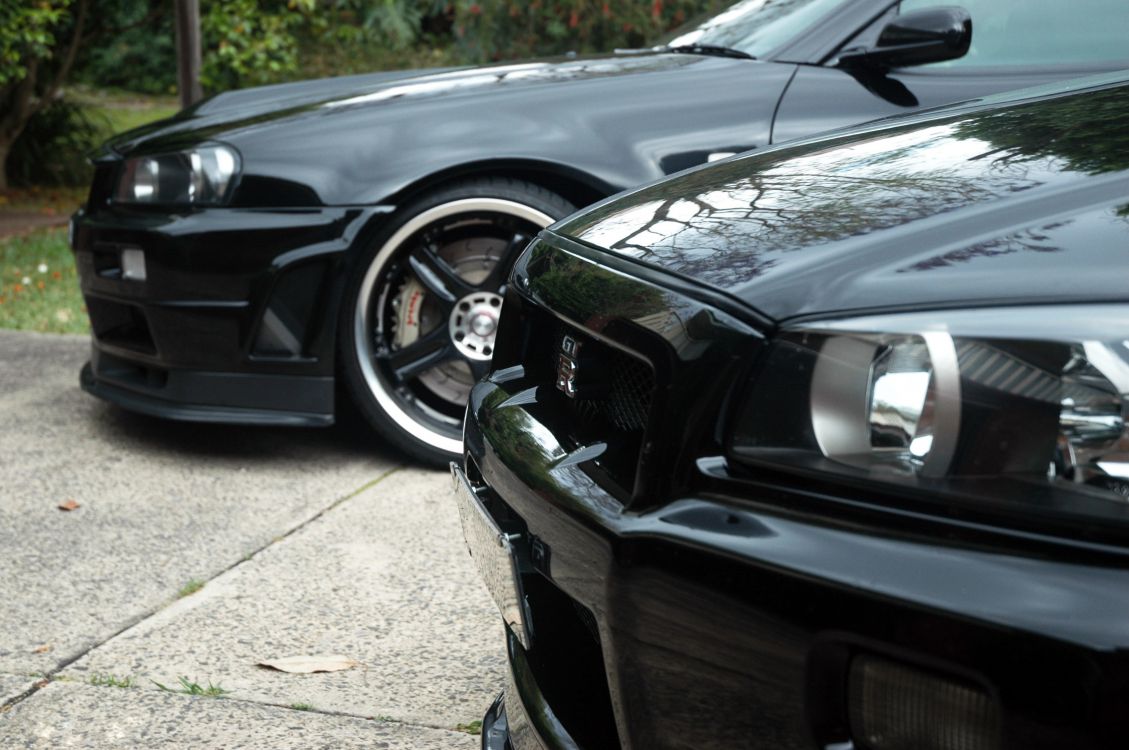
point(241, 257)
point(823, 447)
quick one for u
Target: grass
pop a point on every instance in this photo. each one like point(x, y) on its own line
point(48, 300)
point(301, 707)
point(474, 727)
point(188, 687)
point(120, 110)
point(189, 588)
point(109, 680)
point(39, 284)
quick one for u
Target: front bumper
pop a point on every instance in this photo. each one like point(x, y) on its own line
point(233, 318)
point(725, 617)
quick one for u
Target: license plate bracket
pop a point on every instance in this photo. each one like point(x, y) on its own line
point(494, 555)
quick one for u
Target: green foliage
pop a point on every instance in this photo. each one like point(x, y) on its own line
point(27, 33)
point(134, 48)
point(52, 149)
point(39, 284)
point(506, 29)
point(250, 42)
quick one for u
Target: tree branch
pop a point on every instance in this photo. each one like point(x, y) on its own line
point(68, 59)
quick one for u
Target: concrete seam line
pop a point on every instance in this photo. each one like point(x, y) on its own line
point(343, 714)
point(363, 488)
point(48, 677)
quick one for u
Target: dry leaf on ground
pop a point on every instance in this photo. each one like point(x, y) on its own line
point(310, 664)
point(41, 649)
point(69, 505)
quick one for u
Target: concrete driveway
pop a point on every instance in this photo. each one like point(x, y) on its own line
point(305, 542)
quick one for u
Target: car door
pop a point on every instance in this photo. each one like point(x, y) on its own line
point(1015, 43)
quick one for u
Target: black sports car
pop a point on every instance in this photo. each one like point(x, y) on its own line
point(242, 257)
point(823, 447)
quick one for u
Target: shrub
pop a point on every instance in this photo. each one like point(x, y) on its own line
point(507, 29)
point(52, 149)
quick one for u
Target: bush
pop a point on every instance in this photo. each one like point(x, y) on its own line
point(507, 29)
point(52, 149)
point(132, 47)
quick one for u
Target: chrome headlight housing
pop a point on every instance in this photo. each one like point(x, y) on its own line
point(204, 175)
point(1011, 410)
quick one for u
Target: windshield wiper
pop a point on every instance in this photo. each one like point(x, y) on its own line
point(707, 49)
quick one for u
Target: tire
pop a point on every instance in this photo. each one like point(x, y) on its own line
point(421, 307)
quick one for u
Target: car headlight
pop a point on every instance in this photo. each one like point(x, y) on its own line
point(1010, 410)
point(201, 176)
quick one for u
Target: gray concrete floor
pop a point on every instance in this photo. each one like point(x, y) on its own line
point(306, 541)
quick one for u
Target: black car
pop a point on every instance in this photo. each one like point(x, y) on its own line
point(823, 447)
point(243, 257)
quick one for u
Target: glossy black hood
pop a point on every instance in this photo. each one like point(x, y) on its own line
point(253, 110)
point(999, 203)
point(608, 122)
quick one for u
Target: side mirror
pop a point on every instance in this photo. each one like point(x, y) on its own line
point(916, 38)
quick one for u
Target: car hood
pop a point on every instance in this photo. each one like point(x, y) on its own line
point(259, 107)
point(998, 203)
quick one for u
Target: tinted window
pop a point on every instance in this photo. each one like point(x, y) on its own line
point(1041, 32)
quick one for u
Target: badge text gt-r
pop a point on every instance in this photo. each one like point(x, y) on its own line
point(566, 366)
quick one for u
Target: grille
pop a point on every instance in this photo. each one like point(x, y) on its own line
point(630, 385)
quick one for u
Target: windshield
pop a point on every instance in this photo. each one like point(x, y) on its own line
point(755, 27)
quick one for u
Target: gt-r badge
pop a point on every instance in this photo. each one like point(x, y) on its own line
point(566, 366)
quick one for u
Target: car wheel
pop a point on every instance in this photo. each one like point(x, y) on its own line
point(422, 306)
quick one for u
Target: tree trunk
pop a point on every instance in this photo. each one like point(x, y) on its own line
point(5, 148)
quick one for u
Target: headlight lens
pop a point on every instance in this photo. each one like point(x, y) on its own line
point(1015, 409)
point(204, 176)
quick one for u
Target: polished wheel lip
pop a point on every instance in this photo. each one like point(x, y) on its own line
point(362, 317)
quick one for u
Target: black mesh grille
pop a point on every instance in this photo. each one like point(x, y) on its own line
point(632, 386)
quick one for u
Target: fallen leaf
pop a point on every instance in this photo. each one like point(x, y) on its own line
point(310, 664)
point(69, 505)
point(41, 649)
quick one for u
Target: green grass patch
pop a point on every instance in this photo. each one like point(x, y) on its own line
point(189, 588)
point(118, 111)
point(188, 687)
point(474, 727)
point(301, 707)
point(39, 284)
point(109, 680)
point(120, 119)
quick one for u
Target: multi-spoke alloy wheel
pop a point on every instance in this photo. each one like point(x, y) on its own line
point(423, 307)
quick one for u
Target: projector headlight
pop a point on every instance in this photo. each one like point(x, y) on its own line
point(1012, 410)
point(201, 176)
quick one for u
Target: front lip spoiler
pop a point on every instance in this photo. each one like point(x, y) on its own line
point(203, 413)
point(495, 726)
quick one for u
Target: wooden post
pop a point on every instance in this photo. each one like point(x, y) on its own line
point(188, 51)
